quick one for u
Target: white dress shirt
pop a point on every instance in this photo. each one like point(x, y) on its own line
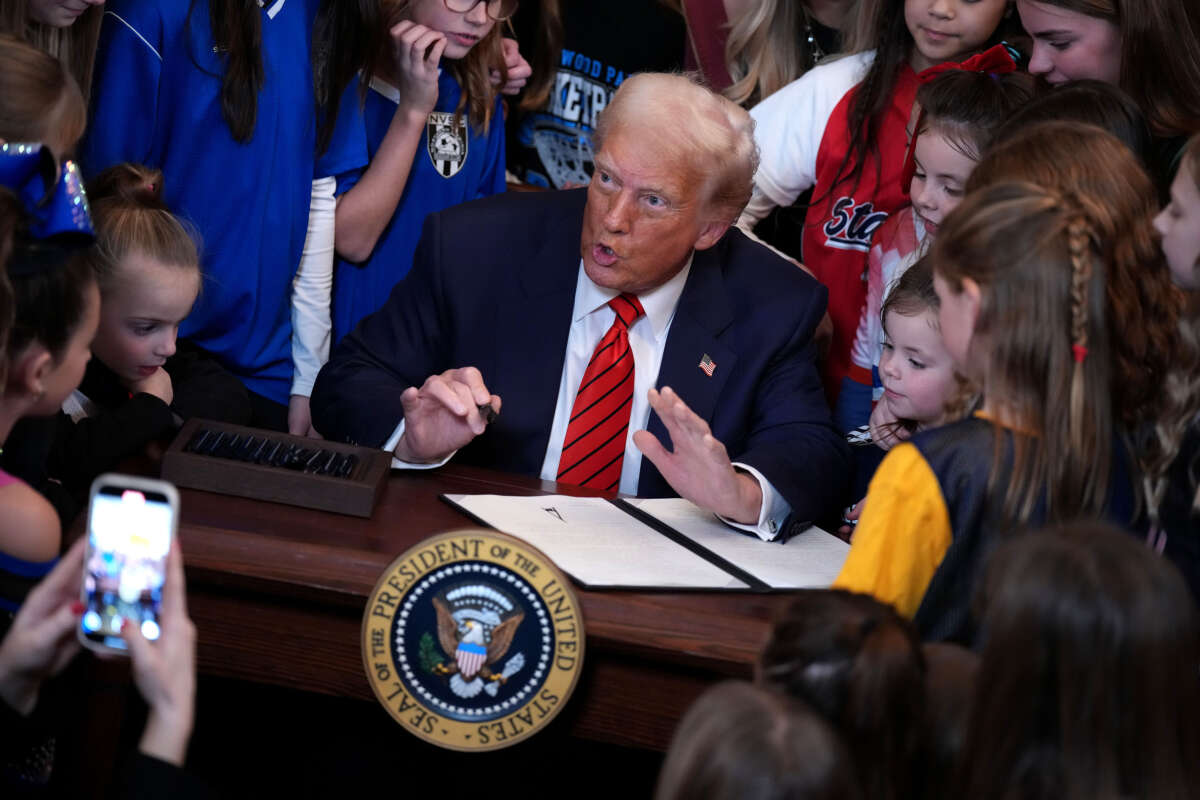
point(590, 321)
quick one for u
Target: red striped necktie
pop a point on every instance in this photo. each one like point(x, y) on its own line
point(594, 446)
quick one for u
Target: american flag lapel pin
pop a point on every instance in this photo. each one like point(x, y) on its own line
point(708, 365)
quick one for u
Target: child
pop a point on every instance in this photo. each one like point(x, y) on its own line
point(56, 308)
point(1171, 451)
point(1150, 48)
point(39, 101)
point(917, 371)
point(138, 388)
point(65, 29)
point(741, 742)
point(859, 665)
point(1179, 222)
point(1088, 684)
point(960, 112)
point(897, 704)
point(1122, 200)
point(225, 96)
point(1020, 273)
point(841, 130)
point(435, 137)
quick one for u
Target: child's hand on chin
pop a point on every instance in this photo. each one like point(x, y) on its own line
point(886, 429)
point(158, 383)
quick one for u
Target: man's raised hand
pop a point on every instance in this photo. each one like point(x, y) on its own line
point(698, 467)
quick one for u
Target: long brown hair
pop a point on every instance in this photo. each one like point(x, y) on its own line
point(544, 55)
point(39, 99)
point(1107, 178)
point(1090, 102)
point(130, 218)
point(859, 664)
point(1160, 56)
point(74, 46)
point(478, 97)
point(1088, 686)
point(1042, 335)
point(1180, 391)
point(345, 41)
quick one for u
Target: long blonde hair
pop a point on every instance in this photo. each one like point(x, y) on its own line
point(762, 51)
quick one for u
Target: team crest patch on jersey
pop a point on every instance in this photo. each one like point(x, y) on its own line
point(472, 640)
point(446, 141)
point(851, 225)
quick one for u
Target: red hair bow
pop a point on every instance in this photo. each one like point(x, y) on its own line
point(994, 61)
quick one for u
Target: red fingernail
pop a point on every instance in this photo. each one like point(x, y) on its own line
point(124, 625)
point(77, 608)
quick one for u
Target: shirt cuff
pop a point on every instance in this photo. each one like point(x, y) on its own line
point(774, 508)
point(390, 446)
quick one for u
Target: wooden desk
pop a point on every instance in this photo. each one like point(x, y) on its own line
point(277, 594)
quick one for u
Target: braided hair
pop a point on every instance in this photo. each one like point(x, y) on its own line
point(1042, 337)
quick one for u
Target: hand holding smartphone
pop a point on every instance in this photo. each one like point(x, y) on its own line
point(131, 524)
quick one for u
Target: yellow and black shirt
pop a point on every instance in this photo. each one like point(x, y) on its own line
point(930, 522)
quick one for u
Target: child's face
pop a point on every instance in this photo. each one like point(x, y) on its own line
point(140, 316)
point(917, 371)
point(1179, 224)
point(948, 30)
point(1069, 45)
point(956, 319)
point(67, 371)
point(463, 29)
point(60, 13)
point(942, 172)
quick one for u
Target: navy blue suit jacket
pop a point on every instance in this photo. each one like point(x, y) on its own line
point(493, 286)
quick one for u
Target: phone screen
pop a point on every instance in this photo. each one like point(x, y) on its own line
point(129, 535)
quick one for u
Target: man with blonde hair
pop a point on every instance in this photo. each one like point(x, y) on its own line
point(635, 338)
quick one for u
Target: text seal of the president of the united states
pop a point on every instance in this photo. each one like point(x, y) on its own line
point(472, 640)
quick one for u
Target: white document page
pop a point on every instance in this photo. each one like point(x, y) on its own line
point(596, 542)
point(809, 560)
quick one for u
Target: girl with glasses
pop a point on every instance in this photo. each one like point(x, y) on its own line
point(432, 126)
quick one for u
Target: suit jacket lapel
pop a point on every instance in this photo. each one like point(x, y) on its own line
point(534, 318)
point(702, 315)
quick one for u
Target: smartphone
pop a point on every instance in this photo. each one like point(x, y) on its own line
point(131, 523)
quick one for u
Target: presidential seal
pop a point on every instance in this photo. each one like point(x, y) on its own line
point(472, 640)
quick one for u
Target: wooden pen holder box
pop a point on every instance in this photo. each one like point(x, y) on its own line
point(277, 467)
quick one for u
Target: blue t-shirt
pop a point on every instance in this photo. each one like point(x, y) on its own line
point(454, 163)
point(156, 101)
